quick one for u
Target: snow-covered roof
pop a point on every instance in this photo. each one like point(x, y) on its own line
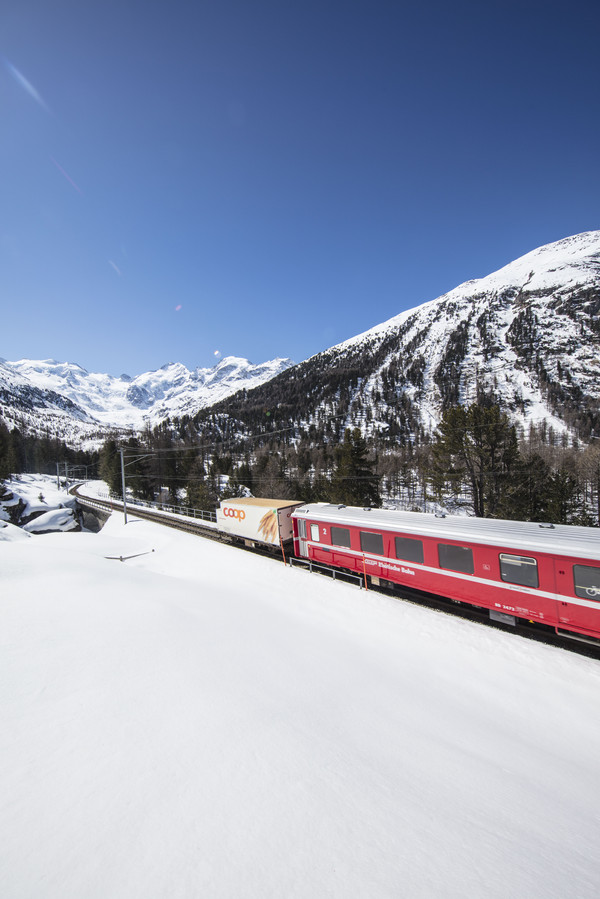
point(260, 501)
point(518, 535)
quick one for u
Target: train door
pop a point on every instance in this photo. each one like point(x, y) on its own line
point(302, 541)
point(578, 588)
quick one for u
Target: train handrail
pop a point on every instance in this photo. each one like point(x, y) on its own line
point(334, 573)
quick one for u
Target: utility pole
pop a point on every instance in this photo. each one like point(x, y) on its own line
point(123, 485)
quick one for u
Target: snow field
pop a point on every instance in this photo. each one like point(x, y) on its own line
point(199, 721)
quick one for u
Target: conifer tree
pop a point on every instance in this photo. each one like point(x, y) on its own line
point(479, 445)
point(5, 453)
point(354, 481)
point(110, 467)
point(201, 491)
point(563, 504)
point(526, 497)
point(17, 451)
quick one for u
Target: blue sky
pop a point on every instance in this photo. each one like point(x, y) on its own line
point(267, 178)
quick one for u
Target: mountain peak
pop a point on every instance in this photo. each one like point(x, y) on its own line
point(526, 337)
point(44, 391)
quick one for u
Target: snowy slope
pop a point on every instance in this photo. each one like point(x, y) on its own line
point(78, 404)
point(526, 337)
point(171, 730)
point(492, 335)
point(558, 266)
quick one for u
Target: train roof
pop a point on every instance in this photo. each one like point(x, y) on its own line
point(559, 539)
point(260, 501)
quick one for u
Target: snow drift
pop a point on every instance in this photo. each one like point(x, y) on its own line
point(199, 721)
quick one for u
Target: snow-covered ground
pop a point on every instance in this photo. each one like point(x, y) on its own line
point(28, 495)
point(38, 492)
point(197, 721)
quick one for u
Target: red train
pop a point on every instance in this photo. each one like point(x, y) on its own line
point(518, 570)
point(539, 572)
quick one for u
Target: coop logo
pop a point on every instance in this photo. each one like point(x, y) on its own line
point(234, 513)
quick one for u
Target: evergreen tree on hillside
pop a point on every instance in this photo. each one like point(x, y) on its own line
point(526, 497)
point(5, 453)
point(201, 491)
point(137, 470)
point(17, 449)
point(564, 505)
point(110, 467)
point(477, 445)
point(354, 481)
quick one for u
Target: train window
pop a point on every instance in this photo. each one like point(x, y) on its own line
point(371, 543)
point(587, 581)
point(519, 570)
point(340, 536)
point(314, 532)
point(456, 558)
point(302, 528)
point(409, 549)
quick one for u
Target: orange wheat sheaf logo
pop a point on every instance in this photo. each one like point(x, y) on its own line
point(268, 525)
point(235, 513)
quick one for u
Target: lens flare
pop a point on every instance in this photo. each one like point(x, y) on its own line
point(62, 171)
point(26, 85)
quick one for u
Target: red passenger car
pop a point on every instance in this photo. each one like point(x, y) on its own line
point(540, 572)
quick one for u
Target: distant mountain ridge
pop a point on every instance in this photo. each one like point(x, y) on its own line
point(76, 405)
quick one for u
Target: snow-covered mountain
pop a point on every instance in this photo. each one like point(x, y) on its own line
point(73, 404)
point(526, 336)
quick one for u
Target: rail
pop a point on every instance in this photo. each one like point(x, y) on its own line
point(187, 511)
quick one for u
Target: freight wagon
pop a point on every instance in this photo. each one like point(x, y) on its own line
point(253, 520)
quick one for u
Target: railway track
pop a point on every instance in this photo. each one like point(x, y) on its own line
point(529, 630)
point(179, 522)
